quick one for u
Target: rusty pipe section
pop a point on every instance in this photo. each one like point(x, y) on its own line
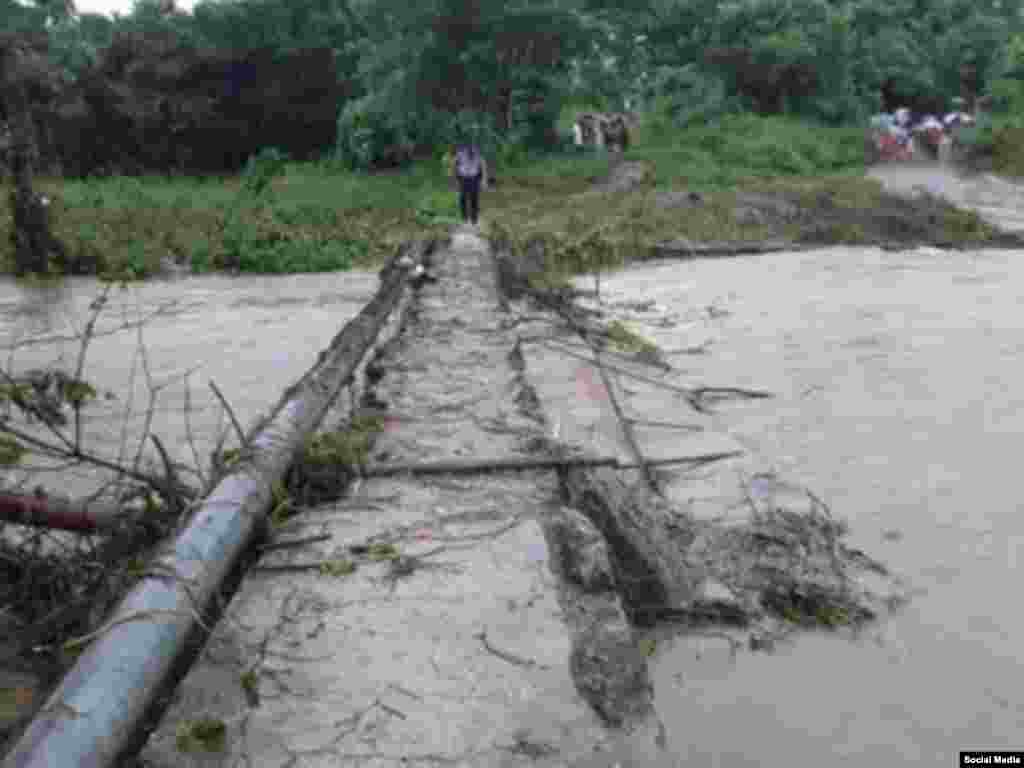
point(84, 515)
point(92, 717)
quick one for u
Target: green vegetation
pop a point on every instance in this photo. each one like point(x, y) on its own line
point(282, 507)
point(348, 447)
point(337, 568)
point(311, 218)
point(11, 451)
point(626, 339)
point(381, 551)
point(737, 148)
point(584, 232)
point(729, 95)
point(998, 136)
point(205, 734)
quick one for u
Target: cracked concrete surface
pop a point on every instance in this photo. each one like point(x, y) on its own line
point(457, 652)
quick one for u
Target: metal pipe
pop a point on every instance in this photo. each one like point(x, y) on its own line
point(93, 716)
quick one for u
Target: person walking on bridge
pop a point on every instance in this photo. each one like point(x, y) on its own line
point(470, 168)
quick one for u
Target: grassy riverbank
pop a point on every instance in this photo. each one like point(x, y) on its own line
point(318, 217)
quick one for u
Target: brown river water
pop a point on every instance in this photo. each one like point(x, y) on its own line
point(252, 335)
point(895, 401)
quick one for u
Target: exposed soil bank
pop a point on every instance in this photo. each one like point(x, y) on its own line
point(896, 207)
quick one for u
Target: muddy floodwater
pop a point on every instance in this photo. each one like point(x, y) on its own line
point(252, 335)
point(897, 400)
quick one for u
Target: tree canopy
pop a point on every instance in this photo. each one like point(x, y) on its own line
point(416, 73)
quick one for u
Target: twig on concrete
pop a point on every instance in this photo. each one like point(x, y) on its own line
point(626, 426)
point(392, 711)
point(667, 425)
point(634, 358)
point(515, 464)
point(294, 542)
point(406, 691)
point(315, 565)
point(511, 658)
point(492, 534)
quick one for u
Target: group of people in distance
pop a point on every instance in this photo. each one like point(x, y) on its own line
point(901, 135)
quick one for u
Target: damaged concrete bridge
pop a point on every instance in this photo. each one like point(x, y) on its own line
point(453, 617)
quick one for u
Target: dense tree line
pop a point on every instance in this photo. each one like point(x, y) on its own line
point(379, 81)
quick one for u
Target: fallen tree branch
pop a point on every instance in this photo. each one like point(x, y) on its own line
point(667, 425)
point(511, 658)
point(294, 542)
point(54, 450)
point(316, 565)
point(231, 413)
point(97, 308)
point(695, 397)
point(56, 339)
point(626, 426)
point(470, 466)
point(172, 476)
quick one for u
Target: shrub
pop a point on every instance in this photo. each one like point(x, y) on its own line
point(371, 134)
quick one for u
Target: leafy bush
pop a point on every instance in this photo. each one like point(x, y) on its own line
point(271, 253)
point(741, 146)
point(372, 133)
point(687, 96)
point(261, 169)
point(438, 208)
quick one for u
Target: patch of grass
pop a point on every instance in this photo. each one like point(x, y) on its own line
point(250, 681)
point(11, 451)
point(1007, 157)
point(648, 646)
point(349, 447)
point(965, 225)
point(738, 148)
point(380, 551)
point(321, 217)
point(336, 568)
point(205, 734)
point(312, 217)
point(281, 506)
point(737, 151)
point(626, 339)
point(815, 610)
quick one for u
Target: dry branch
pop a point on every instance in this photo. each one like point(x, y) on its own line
point(695, 397)
point(470, 466)
point(285, 544)
point(624, 424)
point(230, 412)
point(53, 450)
